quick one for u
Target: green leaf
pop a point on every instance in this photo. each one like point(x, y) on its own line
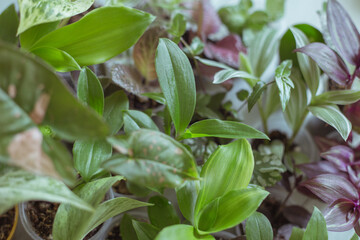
point(42, 95)
point(33, 13)
point(258, 227)
point(268, 164)
point(127, 230)
point(229, 168)
point(196, 46)
point(99, 35)
point(9, 22)
point(272, 100)
point(222, 129)
point(332, 116)
point(18, 186)
point(227, 74)
point(309, 68)
point(256, 94)
point(246, 201)
point(89, 90)
point(297, 234)
point(296, 108)
point(59, 60)
point(284, 83)
point(33, 34)
point(115, 105)
point(275, 8)
point(144, 231)
point(134, 120)
point(177, 82)
point(316, 228)
point(262, 51)
point(186, 196)
point(73, 223)
point(178, 25)
point(89, 155)
point(162, 214)
point(181, 232)
point(355, 237)
point(339, 97)
point(158, 97)
point(212, 63)
point(152, 159)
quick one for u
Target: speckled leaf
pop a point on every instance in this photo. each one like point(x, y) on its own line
point(100, 35)
point(38, 91)
point(35, 12)
point(152, 159)
point(17, 186)
point(229, 168)
point(268, 164)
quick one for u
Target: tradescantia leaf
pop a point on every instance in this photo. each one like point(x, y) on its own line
point(134, 120)
point(35, 12)
point(308, 67)
point(115, 104)
point(340, 97)
point(316, 228)
point(343, 32)
point(258, 89)
point(268, 164)
point(333, 116)
point(258, 227)
point(152, 159)
point(328, 61)
point(297, 234)
point(91, 41)
point(18, 186)
point(41, 95)
point(212, 63)
point(8, 25)
point(283, 81)
point(186, 195)
point(33, 34)
point(158, 97)
point(232, 164)
point(89, 155)
point(227, 74)
point(61, 61)
point(162, 214)
point(177, 82)
point(178, 25)
point(180, 232)
point(222, 216)
point(222, 129)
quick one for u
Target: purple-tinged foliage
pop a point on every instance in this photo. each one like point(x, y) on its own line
point(343, 32)
point(340, 156)
point(328, 60)
point(352, 112)
point(206, 17)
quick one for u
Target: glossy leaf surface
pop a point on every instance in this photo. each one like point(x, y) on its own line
point(258, 227)
point(162, 214)
point(283, 81)
point(179, 232)
point(316, 228)
point(339, 97)
point(258, 89)
point(134, 120)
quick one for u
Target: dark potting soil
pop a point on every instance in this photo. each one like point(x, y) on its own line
point(6, 223)
point(42, 215)
point(114, 234)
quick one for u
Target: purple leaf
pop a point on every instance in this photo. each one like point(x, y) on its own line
point(352, 112)
point(354, 176)
point(322, 167)
point(343, 32)
point(206, 17)
point(340, 156)
point(226, 50)
point(330, 187)
point(341, 215)
point(324, 144)
point(328, 60)
point(357, 228)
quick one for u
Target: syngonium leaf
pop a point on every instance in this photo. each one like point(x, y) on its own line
point(100, 35)
point(74, 224)
point(42, 11)
point(268, 164)
point(222, 129)
point(152, 159)
point(40, 94)
point(316, 228)
point(232, 164)
point(18, 186)
point(177, 82)
point(283, 81)
point(180, 232)
point(258, 227)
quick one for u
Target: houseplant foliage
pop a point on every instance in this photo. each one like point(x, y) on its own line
point(94, 95)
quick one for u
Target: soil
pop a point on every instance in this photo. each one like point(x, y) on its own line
point(42, 215)
point(114, 234)
point(120, 187)
point(6, 223)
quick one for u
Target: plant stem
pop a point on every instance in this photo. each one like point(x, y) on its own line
point(263, 118)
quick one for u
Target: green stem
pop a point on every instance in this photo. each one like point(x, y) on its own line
point(263, 118)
